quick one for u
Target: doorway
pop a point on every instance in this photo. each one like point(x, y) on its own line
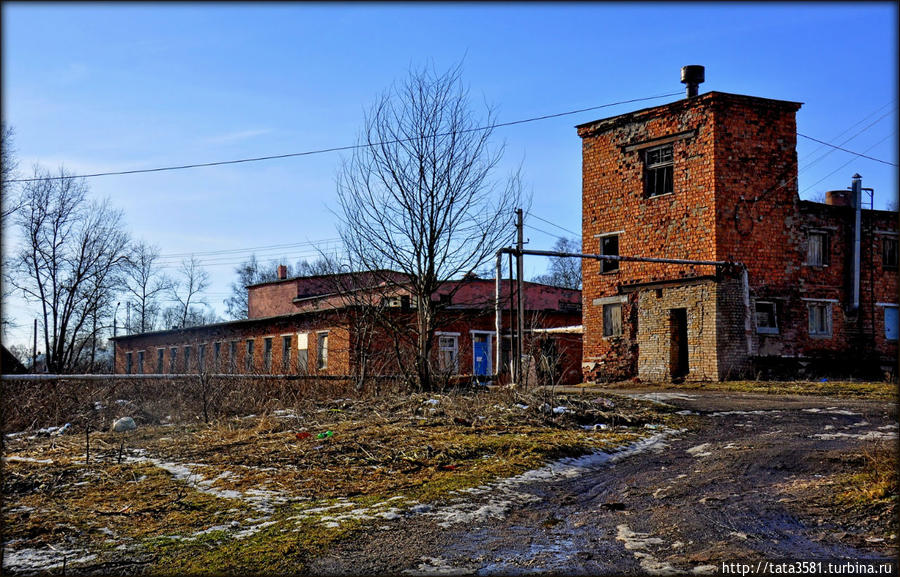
point(678, 353)
point(481, 353)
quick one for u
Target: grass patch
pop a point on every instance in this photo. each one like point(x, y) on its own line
point(264, 494)
point(879, 390)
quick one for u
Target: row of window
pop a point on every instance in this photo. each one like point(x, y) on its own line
point(767, 319)
point(818, 251)
point(185, 363)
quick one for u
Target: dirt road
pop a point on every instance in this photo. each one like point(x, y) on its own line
point(749, 482)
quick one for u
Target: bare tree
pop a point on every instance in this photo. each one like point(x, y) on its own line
point(10, 201)
point(145, 284)
point(187, 289)
point(418, 195)
point(8, 170)
point(72, 253)
point(563, 271)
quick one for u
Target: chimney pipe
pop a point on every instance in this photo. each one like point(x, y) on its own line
point(856, 199)
point(282, 272)
point(693, 76)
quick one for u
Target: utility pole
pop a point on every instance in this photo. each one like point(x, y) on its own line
point(520, 319)
point(34, 350)
point(115, 315)
point(512, 323)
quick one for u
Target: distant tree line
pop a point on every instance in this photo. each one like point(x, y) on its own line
point(78, 264)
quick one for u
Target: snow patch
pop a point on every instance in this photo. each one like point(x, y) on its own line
point(43, 560)
point(830, 411)
point(699, 451)
point(637, 543)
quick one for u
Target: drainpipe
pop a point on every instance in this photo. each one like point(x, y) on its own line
point(857, 222)
point(745, 293)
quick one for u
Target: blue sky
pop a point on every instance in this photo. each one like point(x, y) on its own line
point(105, 87)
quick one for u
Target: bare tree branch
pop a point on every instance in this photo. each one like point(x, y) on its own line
point(420, 198)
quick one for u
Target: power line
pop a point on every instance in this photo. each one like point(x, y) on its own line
point(554, 224)
point(342, 148)
point(846, 150)
point(250, 249)
point(848, 162)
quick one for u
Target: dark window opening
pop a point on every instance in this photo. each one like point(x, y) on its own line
point(658, 170)
point(160, 355)
point(267, 354)
point(286, 354)
point(889, 253)
point(766, 321)
point(609, 246)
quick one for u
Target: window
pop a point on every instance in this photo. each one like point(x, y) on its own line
point(232, 356)
point(612, 320)
point(820, 319)
point(766, 321)
point(889, 252)
point(322, 351)
point(658, 170)
point(248, 359)
point(217, 356)
point(448, 357)
point(140, 364)
point(609, 245)
point(201, 357)
point(173, 360)
point(303, 352)
point(890, 323)
point(817, 253)
point(286, 354)
point(267, 354)
point(127, 363)
point(187, 359)
point(160, 357)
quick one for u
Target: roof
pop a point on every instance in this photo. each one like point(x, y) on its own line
point(707, 98)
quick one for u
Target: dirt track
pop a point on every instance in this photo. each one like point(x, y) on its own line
point(749, 483)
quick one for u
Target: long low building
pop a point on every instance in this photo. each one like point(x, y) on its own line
point(362, 323)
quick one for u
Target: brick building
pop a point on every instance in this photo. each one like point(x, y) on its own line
point(714, 178)
point(324, 325)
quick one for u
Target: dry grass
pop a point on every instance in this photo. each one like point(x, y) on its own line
point(179, 500)
point(880, 390)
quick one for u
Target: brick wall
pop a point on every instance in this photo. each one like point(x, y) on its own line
point(654, 335)
point(734, 199)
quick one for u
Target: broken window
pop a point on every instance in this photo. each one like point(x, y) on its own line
point(160, 355)
point(140, 363)
point(448, 353)
point(658, 170)
point(612, 320)
point(173, 360)
point(820, 319)
point(267, 354)
point(232, 356)
point(201, 357)
point(217, 356)
point(609, 246)
point(248, 359)
point(286, 354)
point(889, 252)
point(322, 351)
point(187, 359)
point(303, 352)
point(817, 253)
point(890, 323)
point(127, 363)
point(766, 321)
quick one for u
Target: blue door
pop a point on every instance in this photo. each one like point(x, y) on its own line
point(482, 361)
